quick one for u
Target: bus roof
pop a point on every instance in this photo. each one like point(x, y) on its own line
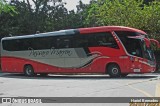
point(55, 33)
point(109, 28)
point(79, 30)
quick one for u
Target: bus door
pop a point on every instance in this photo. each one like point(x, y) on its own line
point(134, 49)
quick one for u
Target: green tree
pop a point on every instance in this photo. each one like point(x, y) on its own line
point(132, 13)
point(42, 15)
point(4, 7)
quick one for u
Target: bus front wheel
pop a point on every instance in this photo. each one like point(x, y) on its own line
point(113, 70)
point(29, 71)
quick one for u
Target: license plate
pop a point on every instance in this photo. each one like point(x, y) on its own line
point(136, 70)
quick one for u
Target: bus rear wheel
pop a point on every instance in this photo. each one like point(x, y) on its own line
point(113, 70)
point(29, 71)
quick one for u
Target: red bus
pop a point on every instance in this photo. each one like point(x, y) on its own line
point(114, 50)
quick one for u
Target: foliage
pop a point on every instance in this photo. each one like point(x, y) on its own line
point(4, 7)
point(42, 16)
point(132, 13)
point(51, 15)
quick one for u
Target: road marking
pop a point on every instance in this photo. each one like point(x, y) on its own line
point(141, 91)
point(157, 91)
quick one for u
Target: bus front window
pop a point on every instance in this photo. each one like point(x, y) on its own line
point(133, 47)
point(148, 52)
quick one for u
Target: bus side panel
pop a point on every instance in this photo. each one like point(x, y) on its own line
point(108, 55)
point(6, 65)
point(16, 65)
point(44, 68)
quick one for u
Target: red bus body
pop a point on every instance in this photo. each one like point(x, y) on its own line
point(95, 59)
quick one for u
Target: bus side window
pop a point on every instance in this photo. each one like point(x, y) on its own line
point(106, 39)
point(10, 45)
point(41, 43)
point(100, 39)
point(64, 42)
point(80, 41)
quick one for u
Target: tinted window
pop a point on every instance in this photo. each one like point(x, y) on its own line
point(104, 39)
point(133, 46)
point(38, 43)
point(64, 42)
point(16, 44)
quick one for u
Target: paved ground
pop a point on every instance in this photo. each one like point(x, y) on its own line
point(18, 85)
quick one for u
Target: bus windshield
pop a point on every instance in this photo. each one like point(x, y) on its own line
point(148, 52)
point(137, 46)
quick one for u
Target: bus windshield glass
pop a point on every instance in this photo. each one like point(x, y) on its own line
point(136, 45)
point(148, 52)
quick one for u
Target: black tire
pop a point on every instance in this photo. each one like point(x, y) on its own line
point(29, 71)
point(113, 70)
point(124, 75)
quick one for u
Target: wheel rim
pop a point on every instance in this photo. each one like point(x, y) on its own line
point(115, 71)
point(28, 71)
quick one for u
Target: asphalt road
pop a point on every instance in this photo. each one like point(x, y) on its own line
point(136, 85)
